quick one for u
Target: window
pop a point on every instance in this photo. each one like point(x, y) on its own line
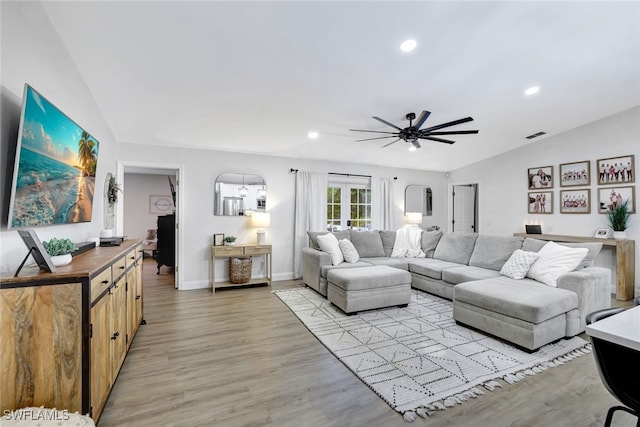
point(349, 205)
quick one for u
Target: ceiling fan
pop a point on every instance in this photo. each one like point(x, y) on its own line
point(413, 133)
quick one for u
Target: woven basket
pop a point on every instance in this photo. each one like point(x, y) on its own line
point(239, 270)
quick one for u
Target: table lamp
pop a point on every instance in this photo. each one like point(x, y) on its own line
point(261, 220)
point(414, 218)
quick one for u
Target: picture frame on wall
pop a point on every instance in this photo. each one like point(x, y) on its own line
point(540, 177)
point(602, 233)
point(161, 204)
point(575, 174)
point(218, 239)
point(616, 170)
point(609, 197)
point(575, 201)
point(540, 202)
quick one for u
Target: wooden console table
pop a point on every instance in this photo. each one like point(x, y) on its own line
point(218, 252)
point(625, 259)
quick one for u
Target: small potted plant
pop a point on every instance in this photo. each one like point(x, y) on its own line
point(59, 250)
point(230, 240)
point(618, 218)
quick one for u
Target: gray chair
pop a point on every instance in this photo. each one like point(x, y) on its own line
point(614, 363)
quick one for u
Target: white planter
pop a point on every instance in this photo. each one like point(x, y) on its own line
point(619, 235)
point(60, 260)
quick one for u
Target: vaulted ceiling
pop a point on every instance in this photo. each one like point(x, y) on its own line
point(257, 77)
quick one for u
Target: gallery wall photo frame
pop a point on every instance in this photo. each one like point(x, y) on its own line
point(218, 239)
point(575, 201)
point(609, 197)
point(616, 170)
point(575, 174)
point(540, 177)
point(540, 202)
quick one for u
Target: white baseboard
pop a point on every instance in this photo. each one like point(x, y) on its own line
point(194, 284)
point(283, 276)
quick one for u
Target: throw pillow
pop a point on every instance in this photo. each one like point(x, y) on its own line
point(348, 251)
point(518, 264)
point(329, 244)
point(555, 260)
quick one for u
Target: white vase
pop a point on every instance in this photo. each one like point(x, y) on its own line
point(619, 235)
point(60, 260)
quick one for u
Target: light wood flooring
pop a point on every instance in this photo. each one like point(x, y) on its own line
point(239, 357)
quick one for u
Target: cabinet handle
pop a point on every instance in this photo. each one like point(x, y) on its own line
point(137, 296)
point(122, 267)
point(132, 257)
point(105, 282)
point(115, 335)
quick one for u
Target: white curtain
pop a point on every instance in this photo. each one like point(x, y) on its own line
point(310, 213)
point(382, 203)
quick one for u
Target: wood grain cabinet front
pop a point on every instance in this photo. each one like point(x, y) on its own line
point(65, 335)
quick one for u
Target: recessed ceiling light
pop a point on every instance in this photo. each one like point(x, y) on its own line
point(408, 45)
point(412, 148)
point(313, 135)
point(532, 90)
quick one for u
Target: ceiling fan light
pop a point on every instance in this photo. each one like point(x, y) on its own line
point(413, 148)
point(313, 135)
point(408, 45)
point(532, 90)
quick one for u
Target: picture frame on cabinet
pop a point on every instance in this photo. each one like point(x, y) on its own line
point(575, 201)
point(616, 170)
point(540, 202)
point(218, 239)
point(602, 233)
point(540, 177)
point(575, 174)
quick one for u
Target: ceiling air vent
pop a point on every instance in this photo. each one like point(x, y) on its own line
point(535, 135)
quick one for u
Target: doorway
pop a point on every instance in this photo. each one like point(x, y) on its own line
point(464, 208)
point(148, 197)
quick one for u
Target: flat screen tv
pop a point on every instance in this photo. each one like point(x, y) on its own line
point(55, 168)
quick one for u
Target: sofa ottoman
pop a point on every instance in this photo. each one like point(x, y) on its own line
point(367, 288)
point(525, 312)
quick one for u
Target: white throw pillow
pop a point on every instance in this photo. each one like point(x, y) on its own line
point(518, 264)
point(329, 244)
point(555, 260)
point(349, 251)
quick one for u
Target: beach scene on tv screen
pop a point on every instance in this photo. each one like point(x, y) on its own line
point(56, 168)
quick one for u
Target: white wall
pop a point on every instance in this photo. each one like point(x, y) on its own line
point(33, 53)
point(137, 219)
point(503, 180)
point(201, 167)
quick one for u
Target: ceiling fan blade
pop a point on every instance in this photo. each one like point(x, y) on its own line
point(446, 141)
point(444, 125)
point(392, 142)
point(387, 123)
point(380, 137)
point(421, 119)
point(452, 132)
point(372, 131)
point(416, 144)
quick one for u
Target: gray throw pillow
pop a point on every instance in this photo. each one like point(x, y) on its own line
point(493, 251)
point(367, 243)
point(388, 239)
point(429, 242)
point(456, 247)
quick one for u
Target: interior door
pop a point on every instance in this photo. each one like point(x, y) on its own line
point(464, 209)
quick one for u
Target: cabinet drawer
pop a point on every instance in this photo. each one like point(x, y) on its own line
point(130, 257)
point(257, 250)
point(118, 267)
point(100, 283)
point(228, 251)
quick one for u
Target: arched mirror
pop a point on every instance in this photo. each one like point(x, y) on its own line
point(418, 198)
point(237, 193)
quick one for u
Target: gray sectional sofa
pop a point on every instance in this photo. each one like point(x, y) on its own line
point(465, 268)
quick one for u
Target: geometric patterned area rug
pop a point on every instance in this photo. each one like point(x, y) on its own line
point(417, 359)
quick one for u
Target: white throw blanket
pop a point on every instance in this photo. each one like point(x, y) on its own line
point(407, 243)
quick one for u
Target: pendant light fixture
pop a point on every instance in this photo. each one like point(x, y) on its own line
point(243, 191)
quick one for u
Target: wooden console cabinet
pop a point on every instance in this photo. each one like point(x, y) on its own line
point(218, 252)
point(64, 335)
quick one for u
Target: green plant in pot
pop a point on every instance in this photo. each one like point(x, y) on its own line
point(618, 219)
point(112, 191)
point(59, 250)
point(230, 240)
